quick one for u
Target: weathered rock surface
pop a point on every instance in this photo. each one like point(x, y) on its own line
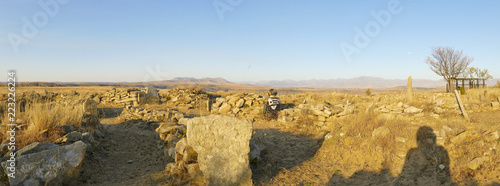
point(58, 165)
point(90, 107)
point(152, 96)
point(222, 144)
point(35, 147)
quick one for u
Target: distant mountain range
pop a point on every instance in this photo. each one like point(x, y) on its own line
point(222, 84)
point(358, 82)
point(190, 80)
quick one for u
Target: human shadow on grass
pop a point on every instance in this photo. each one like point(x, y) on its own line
point(280, 150)
point(428, 164)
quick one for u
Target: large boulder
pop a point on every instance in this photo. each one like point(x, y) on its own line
point(152, 96)
point(222, 144)
point(59, 163)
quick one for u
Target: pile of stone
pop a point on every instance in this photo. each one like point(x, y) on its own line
point(247, 105)
point(404, 109)
point(488, 139)
point(321, 113)
point(131, 96)
point(179, 155)
point(187, 99)
point(156, 115)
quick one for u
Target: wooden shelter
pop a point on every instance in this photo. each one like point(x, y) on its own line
point(456, 83)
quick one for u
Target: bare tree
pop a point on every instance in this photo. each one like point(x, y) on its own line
point(448, 63)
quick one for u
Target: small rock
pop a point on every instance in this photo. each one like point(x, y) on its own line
point(413, 110)
point(171, 152)
point(189, 155)
point(336, 109)
point(399, 105)
point(495, 104)
point(401, 139)
point(328, 136)
point(166, 128)
point(130, 161)
point(181, 145)
point(441, 166)
point(194, 171)
point(381, 131)
point(171, 168)
point(236, 110)
point(224, 108)
point(465, 137)
point(69, 138)
point(66, 128)
point(240, 103)
point(476, 163)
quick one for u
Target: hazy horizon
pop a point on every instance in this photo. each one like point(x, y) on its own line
point(240, 41)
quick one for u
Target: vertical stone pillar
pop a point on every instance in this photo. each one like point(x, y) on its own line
point(409, 86)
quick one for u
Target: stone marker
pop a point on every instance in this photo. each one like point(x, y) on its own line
point(222, 144)
point(90, 107)
point(409, 86)
point(152, 96)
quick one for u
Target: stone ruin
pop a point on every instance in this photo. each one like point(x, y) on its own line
point(214, 148)
point(131, 96)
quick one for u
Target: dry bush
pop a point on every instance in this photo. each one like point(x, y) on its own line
point(42, 118)
point(47, 115)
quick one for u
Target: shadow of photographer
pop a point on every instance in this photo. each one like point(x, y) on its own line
point(428, 164)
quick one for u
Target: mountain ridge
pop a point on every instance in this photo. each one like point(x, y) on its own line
point(358, 82)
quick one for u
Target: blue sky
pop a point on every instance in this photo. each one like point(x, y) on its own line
point(133, 40)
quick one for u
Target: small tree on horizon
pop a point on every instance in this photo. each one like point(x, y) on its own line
point(473, 72)
point(448, 63)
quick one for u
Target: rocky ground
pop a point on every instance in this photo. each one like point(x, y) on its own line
point(318, 139)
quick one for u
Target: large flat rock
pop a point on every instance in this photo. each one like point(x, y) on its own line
point(222, 144)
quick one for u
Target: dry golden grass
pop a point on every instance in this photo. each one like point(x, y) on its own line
point(352, 148)
point(62, 90)
point(42, 118)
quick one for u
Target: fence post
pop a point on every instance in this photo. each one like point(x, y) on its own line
point(461, 106)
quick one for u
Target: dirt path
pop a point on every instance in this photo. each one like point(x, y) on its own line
point(125, 156)
point(282, 150)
